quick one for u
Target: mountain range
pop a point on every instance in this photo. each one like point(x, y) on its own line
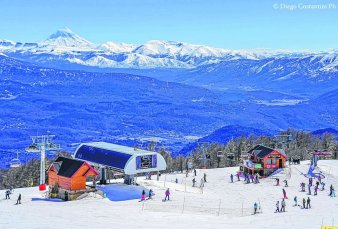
point(173, 92)
point(65, 47)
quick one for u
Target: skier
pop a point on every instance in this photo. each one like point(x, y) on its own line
point(320, 179)
point(257, 179)
point(317, 183)
point(309, 187)
point(295, 199)
point(302, 185)
point(7, 194)
point(286, 183)
point(176, 181)
point(143, 196)
point(151, 193)
point(308, 205)
point(195, 172)
point(205, 177)
point(255, 208)
point(167, 194)
point(316, 189)
point(331, 188)
point(277, 206)
point(304, 203)
point(202, 183)
point(193, 182)
point(323, 185)
point(284, 194)
point(232, 178)
point(247, 179)
point(332, 191)
point(283, 205)
point(238, 177)
point(310, 181)
point(19, 199)
point(277, 181)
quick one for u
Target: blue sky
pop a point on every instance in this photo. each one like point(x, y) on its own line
point(220, 23)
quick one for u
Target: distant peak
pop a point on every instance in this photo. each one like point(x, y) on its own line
point(65, 37)
point(63, 32)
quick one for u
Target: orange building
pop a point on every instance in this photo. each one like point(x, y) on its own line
point(264, 160)
point(70, 174)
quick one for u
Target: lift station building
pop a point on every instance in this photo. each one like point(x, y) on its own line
point(127, 160)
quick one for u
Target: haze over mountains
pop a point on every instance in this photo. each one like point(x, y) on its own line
point(172, 91)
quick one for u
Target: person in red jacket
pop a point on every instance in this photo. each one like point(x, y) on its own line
point(284, 194)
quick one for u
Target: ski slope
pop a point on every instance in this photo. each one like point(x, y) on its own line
point(97, 212)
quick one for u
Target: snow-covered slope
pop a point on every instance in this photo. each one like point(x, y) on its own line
point(65, 47)
point(191, 209)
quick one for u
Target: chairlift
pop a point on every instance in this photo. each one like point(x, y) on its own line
point(290, 138)
point(15, 163)
point(220, 154)
point(230, 156)
point(33, 148)
point(245, 156)
point(53, 147)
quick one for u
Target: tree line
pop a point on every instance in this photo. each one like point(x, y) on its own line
point(300, 146)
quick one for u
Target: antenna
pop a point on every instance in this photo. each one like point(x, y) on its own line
point(41, 144)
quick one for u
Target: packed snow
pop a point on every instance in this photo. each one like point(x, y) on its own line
point(218, 205)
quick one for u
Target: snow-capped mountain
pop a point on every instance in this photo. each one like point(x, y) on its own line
point(64, 48)
point(65, 39)
point(117, 47)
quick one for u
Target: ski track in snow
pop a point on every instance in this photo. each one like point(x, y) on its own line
point(97, 212)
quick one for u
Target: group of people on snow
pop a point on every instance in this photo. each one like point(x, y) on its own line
point(150, 195)
point(10, 192)
point(248, 178)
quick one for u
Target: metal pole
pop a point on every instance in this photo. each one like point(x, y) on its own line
point(165, 179)
point(242, 207)
point(183, 205)
point(42, 164)
point(219, 206)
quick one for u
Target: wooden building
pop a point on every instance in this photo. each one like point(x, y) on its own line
point(70, 174)
point(264, 160)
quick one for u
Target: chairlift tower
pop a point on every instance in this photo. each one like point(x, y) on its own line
point(283, 139)
point(41, 144)
point(204, 158)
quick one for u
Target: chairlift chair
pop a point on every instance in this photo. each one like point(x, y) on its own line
point(15, 163)
point(33, 148)
point(220, 154)
point(230, 156)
